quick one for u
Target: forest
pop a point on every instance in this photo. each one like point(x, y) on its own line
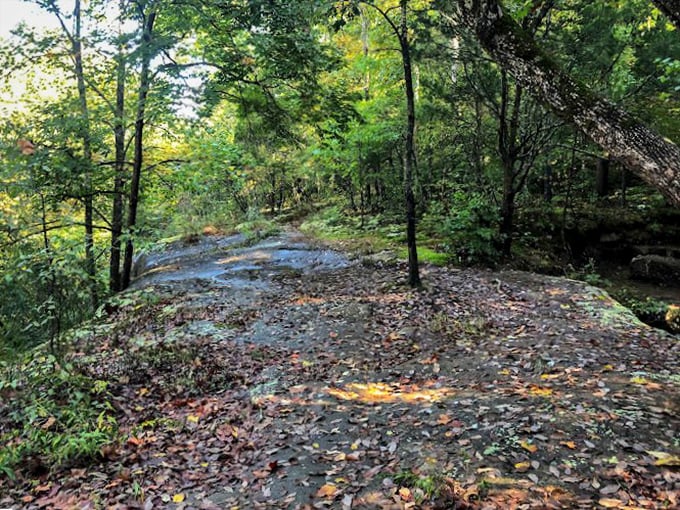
point(421, 195)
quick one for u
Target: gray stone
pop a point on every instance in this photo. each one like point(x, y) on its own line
point(656, 268)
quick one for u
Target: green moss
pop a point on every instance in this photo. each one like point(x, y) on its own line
point(427, 255)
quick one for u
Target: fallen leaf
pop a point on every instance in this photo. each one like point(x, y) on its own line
point(405, 494)
point(178, 498)
point(665, 459)
point(443, 419)
point(522, 466)
point(569, 444)
point(609, 489)
point(611, 503)
point(327, 491)
point(48, 424)
point(528, 446)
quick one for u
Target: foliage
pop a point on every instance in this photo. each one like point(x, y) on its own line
point(43, 294)
point(466, 227)
point(51, 416)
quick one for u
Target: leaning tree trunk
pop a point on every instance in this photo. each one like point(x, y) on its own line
point(144, 83)
point(655, 159)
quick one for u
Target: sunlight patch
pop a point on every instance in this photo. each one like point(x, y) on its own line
point(388, 393)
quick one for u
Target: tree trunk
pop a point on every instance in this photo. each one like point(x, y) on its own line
point(410, 153)
point(115, 277)
point(77, 49)
point(144, 83)
point(602, 178)
point(645, 152)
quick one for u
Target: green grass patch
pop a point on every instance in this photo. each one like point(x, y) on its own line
point(427, 256)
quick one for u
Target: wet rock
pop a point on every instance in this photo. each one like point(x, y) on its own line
point(656, 268)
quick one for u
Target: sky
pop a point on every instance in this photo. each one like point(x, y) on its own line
point(14, 11)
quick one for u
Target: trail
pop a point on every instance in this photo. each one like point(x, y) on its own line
point(288, 375)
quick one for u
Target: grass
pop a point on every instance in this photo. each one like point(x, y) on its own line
point(379, 233)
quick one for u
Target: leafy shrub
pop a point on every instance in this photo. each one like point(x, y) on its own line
point(51, 416)
point(468, 227)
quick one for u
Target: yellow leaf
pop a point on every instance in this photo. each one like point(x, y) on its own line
point(528, 446)
point(611, 503)
point(234, 431)
point(143, 391)
point(639, 380)
point(522, 466)
point(339, 457)
point(405, 493)
point(538, 391)
point(327, 491)
point(505, 371)
point(608, 367)
point(178, 498)
point(354, 446)
point(665, 459)
point(315, 445)
point(192, 418)
point(569, 444)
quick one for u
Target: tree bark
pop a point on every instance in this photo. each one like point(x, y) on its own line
point(144, 83)
point(410, 152)
point(655, 159)
point(115, 277)
point(77, 46)
point(602, 178)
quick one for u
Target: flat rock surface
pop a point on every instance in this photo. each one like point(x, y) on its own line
point(285, 375)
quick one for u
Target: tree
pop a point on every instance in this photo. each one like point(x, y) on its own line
point(654, 158)
point(147, 20)
point(400, 28)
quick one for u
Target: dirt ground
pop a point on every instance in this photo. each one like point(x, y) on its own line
point(288, 375)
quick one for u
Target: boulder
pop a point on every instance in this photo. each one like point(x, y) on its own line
point(656, 268)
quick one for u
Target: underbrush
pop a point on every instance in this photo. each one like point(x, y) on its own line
point(370, 235)
point(51, 416)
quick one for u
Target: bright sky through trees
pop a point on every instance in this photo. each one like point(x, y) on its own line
point(12, 12)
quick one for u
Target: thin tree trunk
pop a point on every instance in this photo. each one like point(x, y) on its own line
point(144, 83)
point(645, 152)
point(115, 277)
point(77, 49)
point(410, 153)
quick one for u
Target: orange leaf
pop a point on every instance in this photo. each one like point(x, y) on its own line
point(327, 491)
point(444, 419)
point(569, 444)
point(135, 441)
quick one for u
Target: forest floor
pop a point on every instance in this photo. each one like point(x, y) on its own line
point(288, 375)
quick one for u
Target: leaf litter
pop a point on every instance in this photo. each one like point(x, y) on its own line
point(336, 386)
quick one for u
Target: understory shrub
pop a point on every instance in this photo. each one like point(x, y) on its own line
point(51, 416)
point(467, 227)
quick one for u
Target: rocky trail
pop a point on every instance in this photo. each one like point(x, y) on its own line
point(288, 375)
